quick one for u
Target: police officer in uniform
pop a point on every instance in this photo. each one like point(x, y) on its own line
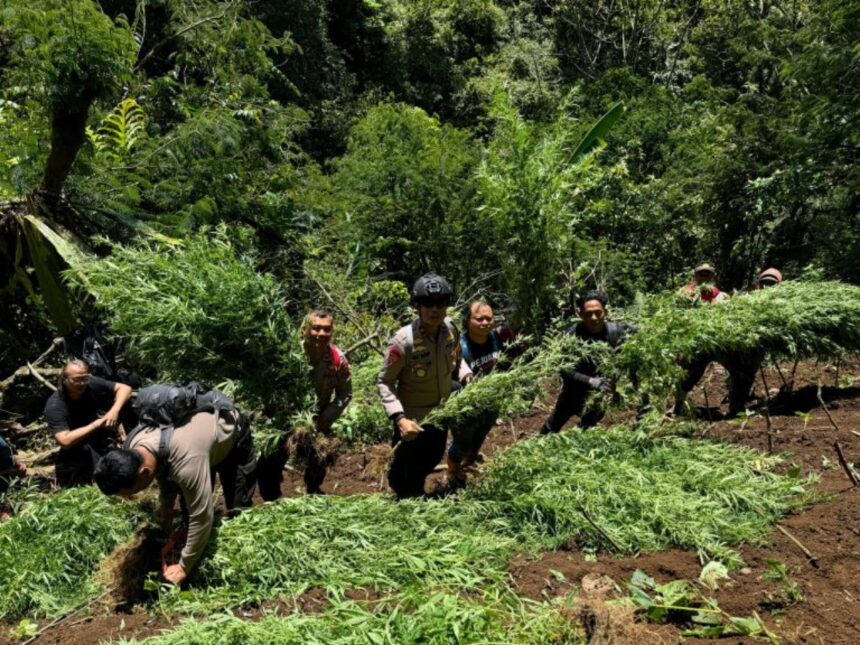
point(416, 377)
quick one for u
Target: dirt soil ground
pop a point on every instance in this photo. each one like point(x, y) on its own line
point(829, 611)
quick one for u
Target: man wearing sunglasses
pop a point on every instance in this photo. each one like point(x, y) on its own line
point(415, 378)
point(84, 415)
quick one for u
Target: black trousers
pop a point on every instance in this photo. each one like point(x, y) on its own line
point(414, 460)
point(742, 371)
point(571, 401)
point(469, 435)
point(270, 469)
point(77, 468)
point(238, 470)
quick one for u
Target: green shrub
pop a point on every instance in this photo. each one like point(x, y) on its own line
point(49, 551)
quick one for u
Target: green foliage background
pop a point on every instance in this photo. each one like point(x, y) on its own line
point(382, 139)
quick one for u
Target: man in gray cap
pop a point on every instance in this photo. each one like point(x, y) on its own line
point(416, 377)
point(769, 278)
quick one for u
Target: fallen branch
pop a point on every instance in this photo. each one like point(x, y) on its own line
point(62, 619)
point(855, 432)
point(606, 535)
point(844, 463)
point(41, 378)
point(55, 344)
point(40, 457)
point(824, 407)
point(361, 343)
point(28, 368)
point(345, 313)
point(812, 559)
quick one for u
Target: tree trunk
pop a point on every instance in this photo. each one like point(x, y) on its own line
point(68, 134)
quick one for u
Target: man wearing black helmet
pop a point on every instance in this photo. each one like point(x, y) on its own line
point(415, 378)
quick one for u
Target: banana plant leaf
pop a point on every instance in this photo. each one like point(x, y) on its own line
point(596, 135)
point(49, 250)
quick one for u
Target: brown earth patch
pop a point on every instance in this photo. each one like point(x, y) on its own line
point(830, 609)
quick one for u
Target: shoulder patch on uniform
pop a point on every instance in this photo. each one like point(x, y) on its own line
point(393, 355)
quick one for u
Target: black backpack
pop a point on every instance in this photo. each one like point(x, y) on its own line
point(167, 405)
point(91, 347)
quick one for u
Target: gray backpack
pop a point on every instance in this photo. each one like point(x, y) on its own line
point(168, 405)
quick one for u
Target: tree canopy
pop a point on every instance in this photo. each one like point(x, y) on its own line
point(366, 141)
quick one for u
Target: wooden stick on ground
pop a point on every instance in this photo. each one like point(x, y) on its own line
point(824, 407)
point(767, 414)
point(855, 432)
point(844, 463)
point(62, 619)
point(812, 559)
point(606, 535)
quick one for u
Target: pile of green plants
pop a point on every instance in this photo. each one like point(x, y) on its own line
point(430, 617)
point(49, 551)
point(364, 421)
point(338, 543)
point(610, 489)
point(794, 319)
point(507, 393)
point(201, 310)
point(624, 491)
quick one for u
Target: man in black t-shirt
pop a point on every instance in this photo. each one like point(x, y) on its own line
point(84, 416)
point(585, 378)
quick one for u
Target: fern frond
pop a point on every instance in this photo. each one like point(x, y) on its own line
point(121, 130)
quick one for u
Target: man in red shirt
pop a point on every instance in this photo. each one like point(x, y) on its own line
point(703, 288)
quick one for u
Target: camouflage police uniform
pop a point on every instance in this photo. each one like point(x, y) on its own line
point(416, 377)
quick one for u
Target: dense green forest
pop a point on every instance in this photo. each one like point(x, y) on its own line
point(164, 161)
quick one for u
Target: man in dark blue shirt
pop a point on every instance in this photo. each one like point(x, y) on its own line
point(483, 345)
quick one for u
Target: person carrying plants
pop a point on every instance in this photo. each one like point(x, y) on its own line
point(585, 378)
point(332, 383)
point(482, 345)
point(416, 376)
point(84, 415)
point(209, 437)
point(741, 369)
point(703, 288)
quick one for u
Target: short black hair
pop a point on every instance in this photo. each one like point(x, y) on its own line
point(117, 470)
point(591, 295)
